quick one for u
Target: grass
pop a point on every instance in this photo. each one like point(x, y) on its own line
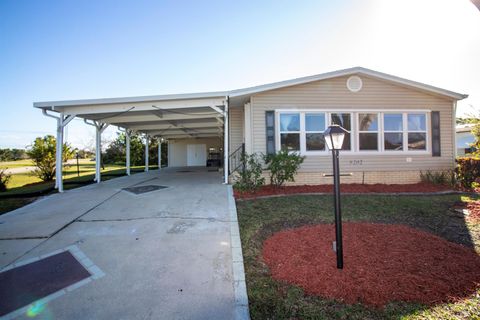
point(270, 299)
point(24, 187)
point(16, 164)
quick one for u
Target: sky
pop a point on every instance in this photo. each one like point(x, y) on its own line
point(67, 50)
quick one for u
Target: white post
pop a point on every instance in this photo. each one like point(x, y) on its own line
point(225, 142)
point(62, 121)
point(159, 154)
point(127, 160)
point(146, 153)
point(98, 153)
point(59, 152)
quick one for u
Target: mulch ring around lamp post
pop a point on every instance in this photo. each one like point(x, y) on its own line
point(382, 263)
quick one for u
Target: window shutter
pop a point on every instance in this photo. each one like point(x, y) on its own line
point(436, 152)
point(270, 131)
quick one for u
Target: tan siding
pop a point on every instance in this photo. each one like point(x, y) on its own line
point(236, 128)
point(333, 95)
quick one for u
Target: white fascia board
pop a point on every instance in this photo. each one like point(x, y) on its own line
point(133, 107)
point(102, 101)
point(346, 72)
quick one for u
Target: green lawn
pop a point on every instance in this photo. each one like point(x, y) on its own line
point(270, 299)
point(15, 164)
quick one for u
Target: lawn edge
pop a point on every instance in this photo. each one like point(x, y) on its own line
point(238, 268)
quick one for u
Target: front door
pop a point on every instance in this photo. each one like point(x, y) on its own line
point(196, 155)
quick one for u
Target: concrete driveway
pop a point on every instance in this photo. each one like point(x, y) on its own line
point(172, 253)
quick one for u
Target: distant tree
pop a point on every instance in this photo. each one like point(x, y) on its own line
point(116, 151)
point(12, 154)
point(42, 152)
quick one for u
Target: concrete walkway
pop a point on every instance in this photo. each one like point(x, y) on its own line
point(172, 253)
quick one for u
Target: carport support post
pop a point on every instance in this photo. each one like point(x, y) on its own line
point(62, 121)
point(99, 128)
point(146, 153)
point(127, 160)
point(225, 142)
point(159, 154)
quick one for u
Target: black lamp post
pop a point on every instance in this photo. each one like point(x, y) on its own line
point(334, 136)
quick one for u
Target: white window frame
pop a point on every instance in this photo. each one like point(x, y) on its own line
point(378, 132)
point(279, 136)
point(304, 132)
point(417, 131)
point(354, 132)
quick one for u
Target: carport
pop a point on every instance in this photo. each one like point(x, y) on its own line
point(164, 117)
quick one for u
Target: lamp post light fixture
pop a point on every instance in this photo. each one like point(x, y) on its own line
point(334, 136)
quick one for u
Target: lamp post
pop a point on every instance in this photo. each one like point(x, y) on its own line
point(334, 136)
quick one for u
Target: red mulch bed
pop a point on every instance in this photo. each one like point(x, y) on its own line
point(345, 188)
point(382, 263)
point(474, 208)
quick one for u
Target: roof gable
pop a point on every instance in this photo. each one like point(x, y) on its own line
point(347, 72)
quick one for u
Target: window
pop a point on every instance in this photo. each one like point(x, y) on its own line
point(417, 131)
point(290, 131)
point(393, 131)
point(368, 131)
point(314, 128)
point(343, 120)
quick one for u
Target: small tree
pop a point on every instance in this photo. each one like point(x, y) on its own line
point(251, 175)
point(283, 166)
point(42, 152)
point(4, 178)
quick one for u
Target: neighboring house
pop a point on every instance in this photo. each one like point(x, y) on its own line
point(397, 127)
point(464, 139)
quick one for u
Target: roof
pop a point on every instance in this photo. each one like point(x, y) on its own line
point(246, 92)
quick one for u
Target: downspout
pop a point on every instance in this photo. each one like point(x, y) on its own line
point(454, 132)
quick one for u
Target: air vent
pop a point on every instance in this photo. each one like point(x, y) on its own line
point(354, 83)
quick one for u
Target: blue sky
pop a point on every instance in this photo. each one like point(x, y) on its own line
point(54, 50)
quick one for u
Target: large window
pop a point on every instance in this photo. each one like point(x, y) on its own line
point(393, 131)
point(344, 120)
point(368, 132)
point(417, 131)
point(314, 128)
point(290, 131)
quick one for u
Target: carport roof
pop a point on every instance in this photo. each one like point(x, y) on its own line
point(200, 114)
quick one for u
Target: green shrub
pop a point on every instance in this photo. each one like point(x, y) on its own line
point(42, 153)
point(283, 166)
point(4, 178)
point(467, 170)
point(447, 177)
point(251, 174)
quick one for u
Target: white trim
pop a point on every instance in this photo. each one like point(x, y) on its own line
point(247, 126)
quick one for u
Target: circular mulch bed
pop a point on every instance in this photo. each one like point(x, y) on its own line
point(382, 263)
point(269, 190)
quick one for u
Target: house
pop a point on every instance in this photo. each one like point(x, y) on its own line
point(464, 139)
point(397, 127)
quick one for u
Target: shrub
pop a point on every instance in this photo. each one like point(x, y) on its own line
point(4, 178)
point(447, 177)
point(283, 166)
point(467, 170)
point(251, 176)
